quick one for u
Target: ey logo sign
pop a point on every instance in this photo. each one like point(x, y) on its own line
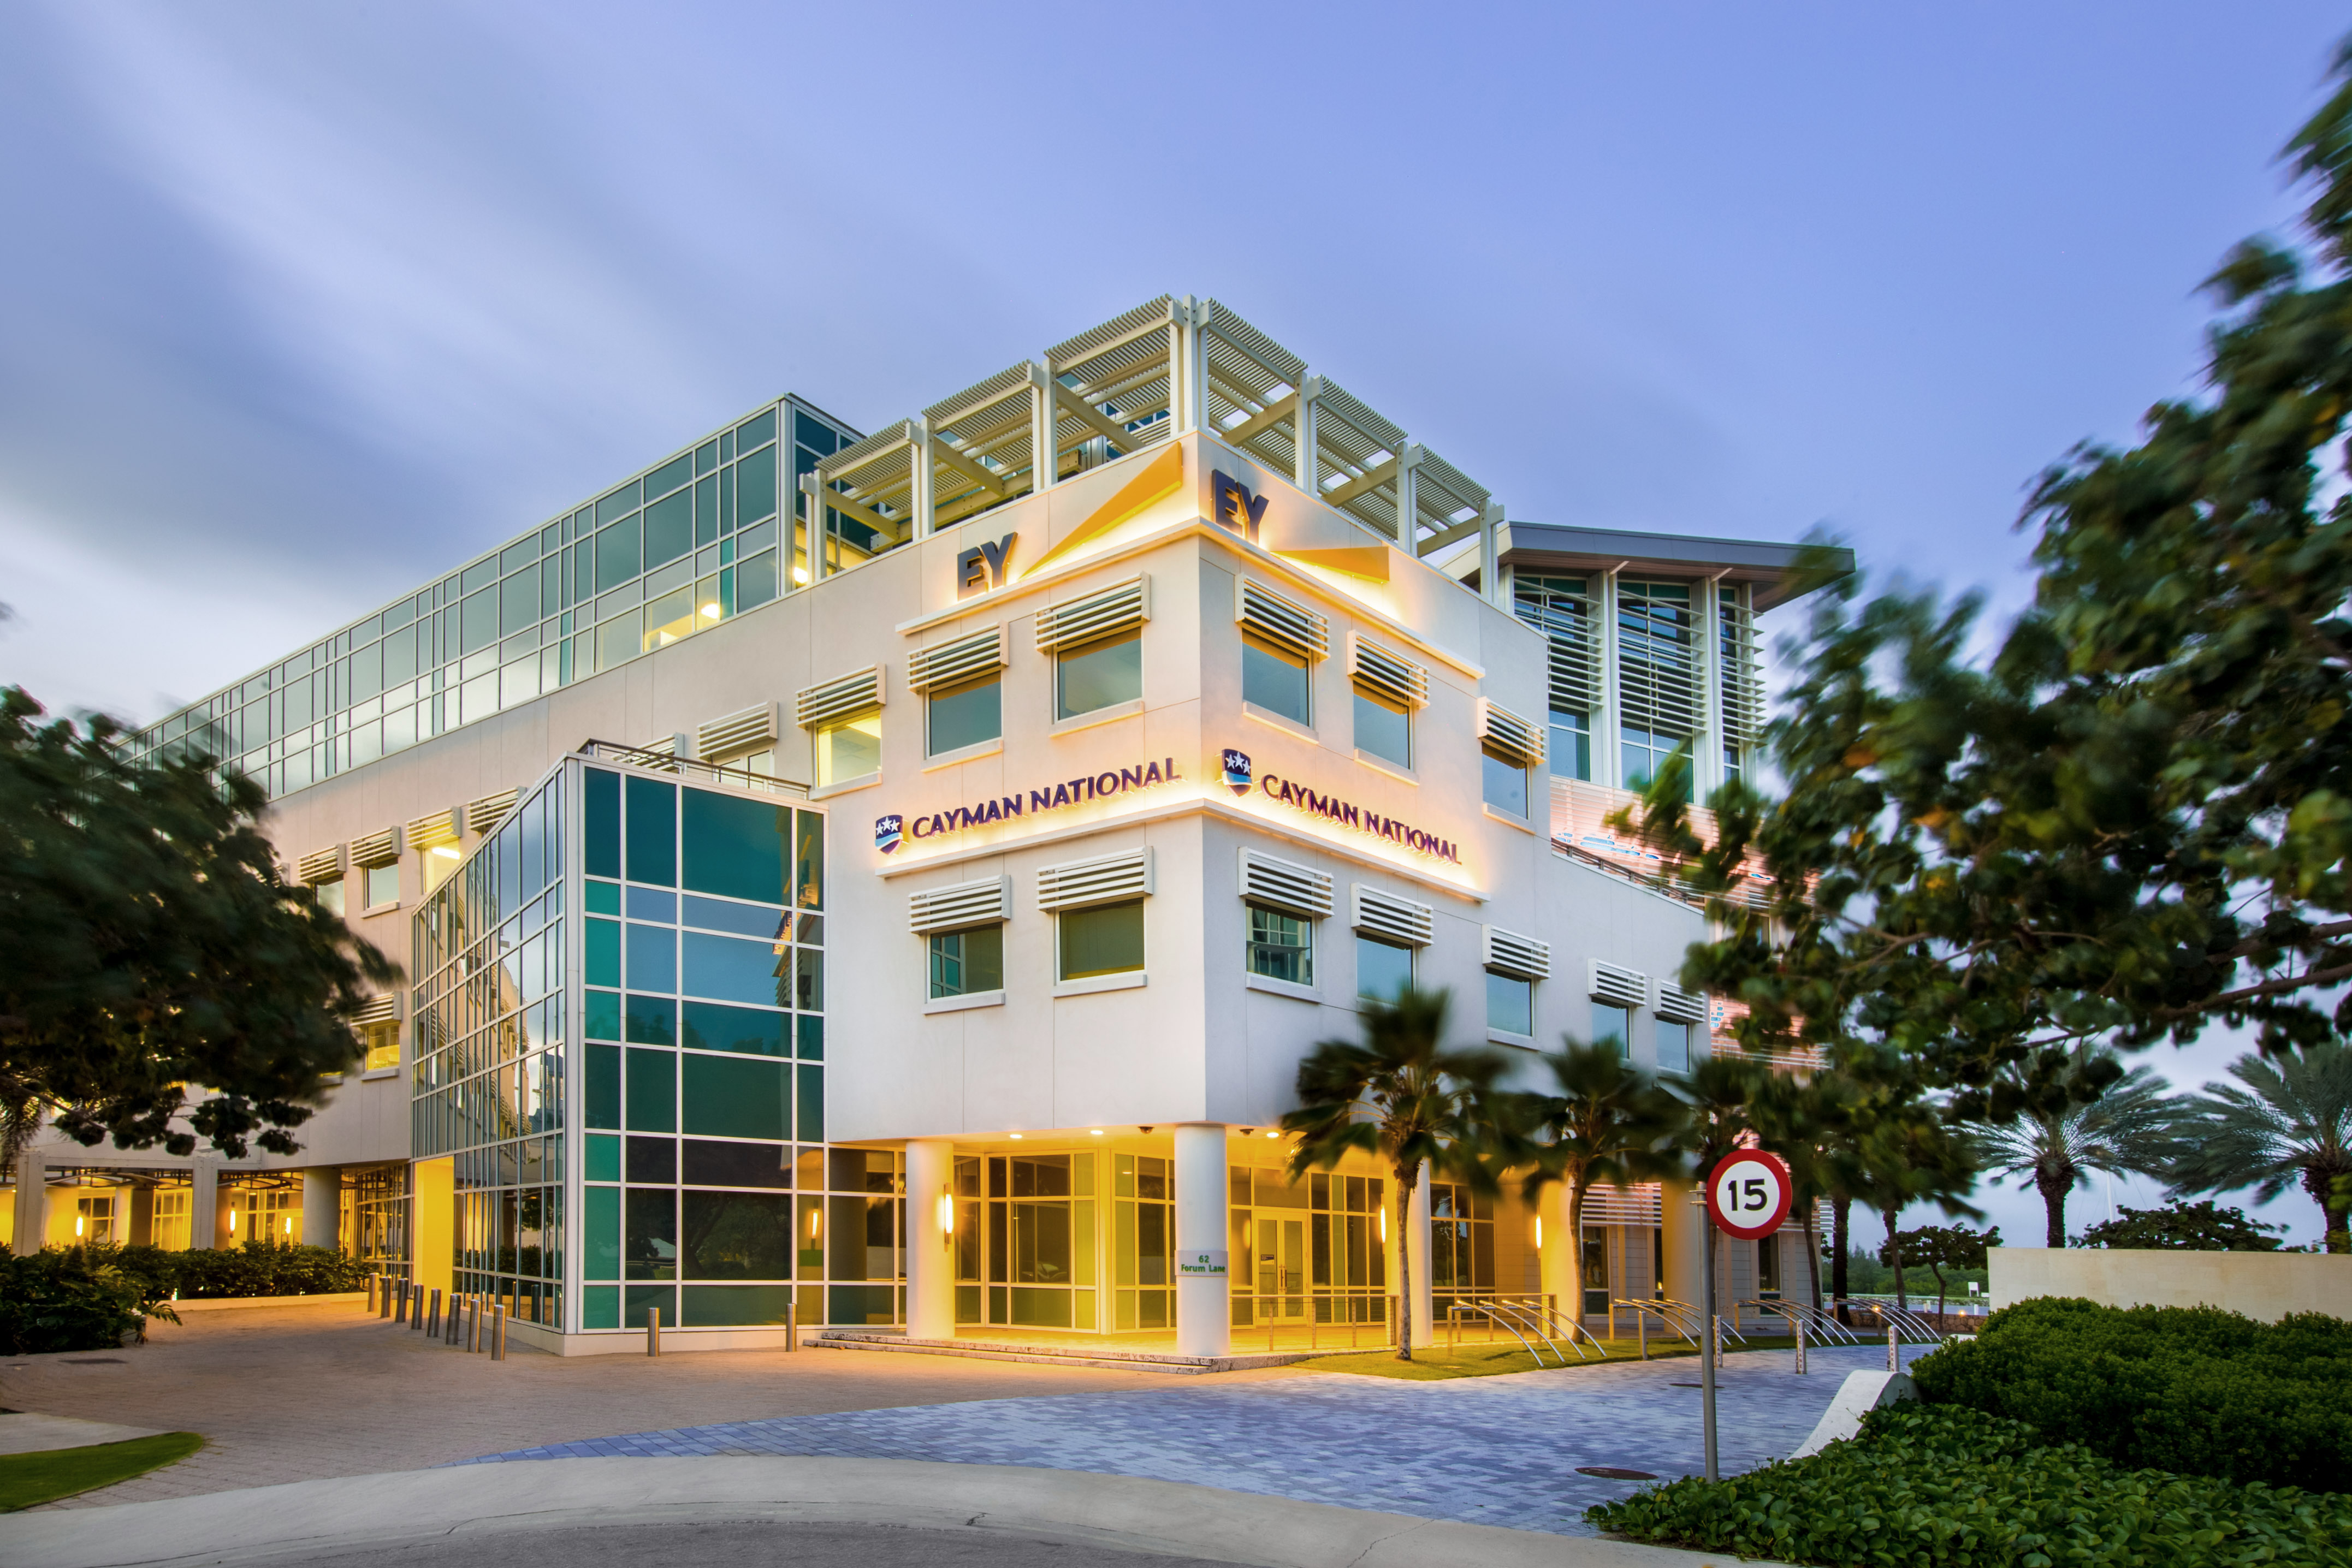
point(982, 568)
point(1232, 505)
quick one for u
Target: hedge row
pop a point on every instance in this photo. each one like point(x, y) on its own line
point(2194, 1390)
point(1946, 1487)
point(253, 1269)
point(99, 1297)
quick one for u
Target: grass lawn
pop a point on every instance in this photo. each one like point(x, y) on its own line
point(28, 1479)
point(1438, 1363)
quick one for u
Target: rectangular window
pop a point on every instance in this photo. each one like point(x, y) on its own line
point(1572, 745)
point(1383, 728)
point(1596, 1272)
point(967, 963)
point(1506, 783)
point(382, 885)
point(382, 1041)
point(1674, 1046)
point(1768, 1266)
point(1105, 940)
point(1643, 754)
point(965, 716)
point(1510, 1004)
point(850, 750)
point(1281, 945)
point(1275, 679)
point(1099, 676)
point(1612, 1026)
point(330, 895)
point(1383, 968)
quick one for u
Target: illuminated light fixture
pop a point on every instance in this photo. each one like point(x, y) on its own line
point(1272, 1134)
point(800, 575)
point(232, 1222)
point(947, 1214)
point(1384, 1226)
point(446, 852)
point(1094, 1131)
point(290, 1225)
point(1017, 1137)
point(1538, 1232)
point(79, 1222)
point(711, 610)
point(816, 1223)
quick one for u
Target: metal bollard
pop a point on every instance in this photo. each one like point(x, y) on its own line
point(653, 1330)
point(399, 1312)
point(1893, 1359)
point(384, 1301)
point(433, 1318)
point(457, 1334)
point(792, 1325)
point(1800, 1347)
point(370, 1308)
point(499, 1331)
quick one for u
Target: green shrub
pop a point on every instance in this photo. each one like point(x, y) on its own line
point(1944, 1487)
point(74, 1297)
point(264, 1268)
point(2194, 1390)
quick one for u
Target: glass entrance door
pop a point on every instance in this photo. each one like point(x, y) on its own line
point(1281, 1269)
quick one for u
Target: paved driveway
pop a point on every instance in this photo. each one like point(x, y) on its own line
point(1490, 1451)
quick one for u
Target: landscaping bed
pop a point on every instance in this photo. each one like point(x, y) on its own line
point(29, 1479)
point(101, 1297)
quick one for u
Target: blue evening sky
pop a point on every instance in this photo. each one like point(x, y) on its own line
point(303, 304)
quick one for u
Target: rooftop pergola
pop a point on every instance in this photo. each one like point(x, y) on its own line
point(1136, 381)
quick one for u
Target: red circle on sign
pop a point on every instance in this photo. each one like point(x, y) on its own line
point(1747, 1194)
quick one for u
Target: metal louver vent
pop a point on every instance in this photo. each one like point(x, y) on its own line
point(376, 849)
point(1508, 735)
point(489, 811)
point(1095, 617)
point(1626, 987)
point(1508, 953)
point(1400, 681)
point(319, 866)
point(953, 664)
point(1565, 615)
point(1384, 914)
point(844, 697)
point(1657, 669)
point(1743, 682)
point(1281, 621)
point(745, 731)
point(1106, 879)
point(1286, 884)
point(1681, 1005)
point(379, 1010)
point(965, 903)
point(433, 828)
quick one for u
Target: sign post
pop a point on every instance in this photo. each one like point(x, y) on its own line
point(1748, 1195)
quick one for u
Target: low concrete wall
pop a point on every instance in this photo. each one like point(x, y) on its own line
point(239, 1303)
point(2267, 1285)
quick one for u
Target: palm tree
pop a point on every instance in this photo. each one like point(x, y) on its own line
point(1610, 1122)
point(2291, 1121)
point(2128, 1129)
point(1401, 1093)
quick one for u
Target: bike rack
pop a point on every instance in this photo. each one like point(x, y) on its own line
point(1495, 1312)
point(1824, 1329)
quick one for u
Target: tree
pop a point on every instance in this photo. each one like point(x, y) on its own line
point(2287, 1120)
point(150, 944)
point(2133, 818)
point(1610, 1122)
point(2129, 1130)
point(2185, 1226)
point(1940, 1246)
point(1401, 1093)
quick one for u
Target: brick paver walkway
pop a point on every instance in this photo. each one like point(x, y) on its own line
point(303, 1393)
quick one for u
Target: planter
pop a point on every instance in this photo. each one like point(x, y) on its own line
point(234, 1303)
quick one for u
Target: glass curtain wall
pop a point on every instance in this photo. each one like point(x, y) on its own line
point(1461, 1243)
point(682, 546)
point(1317, 1250)
point(1561, 609)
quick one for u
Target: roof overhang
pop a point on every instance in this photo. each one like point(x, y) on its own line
point(1771, 568)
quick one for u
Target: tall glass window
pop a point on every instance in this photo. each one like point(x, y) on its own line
point(1612, 1026)
point(1099, 676)
point(1657, 676)
point(1561, 609)
point(1281, 945)
point(1674, 1046)
point(1383, 968)
point(1275, 679)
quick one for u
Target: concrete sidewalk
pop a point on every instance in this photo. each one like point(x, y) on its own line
point(450, 1516)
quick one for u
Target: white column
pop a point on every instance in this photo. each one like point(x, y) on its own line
point(1203, 1309)
point(931, 1245)
point(1303, 464)
point(921, 473)
point(1490, 566)
point(1417, 1223)
point(32, 1203)
point(1608, 749)
point(1408, 515)
point(1707, 746)
point(323, 1205)
point(1684, 1225)
point(203, 1203)
point(1559, 1254)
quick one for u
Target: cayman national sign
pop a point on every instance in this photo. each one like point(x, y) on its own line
point(896, 829)
point(1240, 777)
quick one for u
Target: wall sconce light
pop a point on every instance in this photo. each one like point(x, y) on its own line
point(1538, 1232)
point(947, 1216)
point(1384, 1226)
point(232, 1222)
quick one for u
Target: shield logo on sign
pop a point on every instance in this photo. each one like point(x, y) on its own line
point(888, 832)
point(1237, 771)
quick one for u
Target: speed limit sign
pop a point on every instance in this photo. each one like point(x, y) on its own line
point(1747, 1194)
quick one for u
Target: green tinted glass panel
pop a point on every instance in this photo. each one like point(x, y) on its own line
point(616, 555)
point(732, 969)
point(605, 897)
point(1097, 676)
point(649, 1234)
point(637, 1300)
point(755, 487)
point(604, 1086)
point(653, 831)
point(809, 858)
point(670, 475)
point(724, 1306)
point(737, 1097)
point(738, 1235)
point(735, 846)
point(601, 952)
point(519, 602)
point(809, 1103)
point(669, 528)
point(478, 621)
point(652, 958)
point(653, 1092)
point(603, 1157)
point(706, 510)
point(651, 1020)
point(599, 1210)
point(1275, 682)
point(613, 505)
point(812, 1039)
point(603, 1015)
point(1510, 1005)
point(1106, 940)
point(709, 1026)
point(600, 1307)
point(966, 717)
point(755, 581)
point(601, 826)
